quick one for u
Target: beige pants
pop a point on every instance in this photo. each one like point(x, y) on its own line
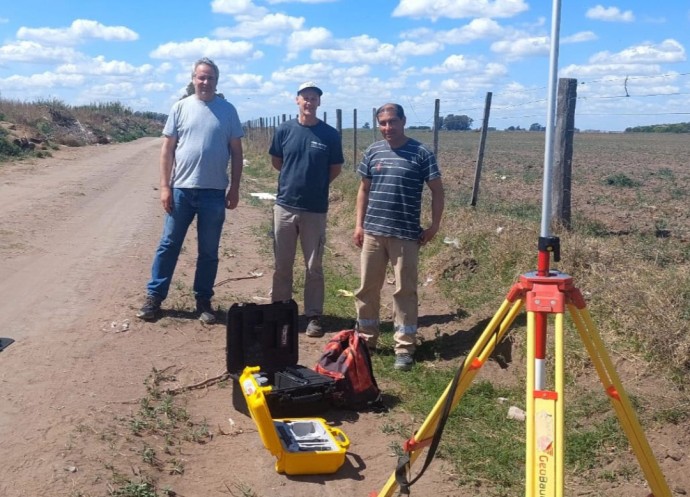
point(403, 255)
point(290, 225)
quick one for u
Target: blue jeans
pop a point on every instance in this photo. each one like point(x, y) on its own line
point(208, 205)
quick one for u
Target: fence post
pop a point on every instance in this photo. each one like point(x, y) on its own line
point(374, 124)
point(563, 154)
point(437, 108)
point(354, 139)
point(339, 121)
point(480, 153)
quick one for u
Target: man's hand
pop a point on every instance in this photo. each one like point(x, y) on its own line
point(358, 237)
point(232, 198)
point(427, 235)
point(167, 199)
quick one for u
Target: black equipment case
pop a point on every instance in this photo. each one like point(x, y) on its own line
point(266, 335)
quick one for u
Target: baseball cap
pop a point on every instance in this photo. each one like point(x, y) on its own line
point(309, 84)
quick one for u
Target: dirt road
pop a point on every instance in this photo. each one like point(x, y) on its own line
point(75, 232)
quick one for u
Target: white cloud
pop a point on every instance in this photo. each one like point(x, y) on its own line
point(457, 9)
point(272, 24)
point(44, 80)
point(79, 31)
point(454, 64)
point(205, 47)
point(245, 81)
point(520, 48)
point(477, 29)
point(617, 71)
point(237, 7)
point(113, 91)
point(580, 37)
point(360, 49)
point(30, 51)
point(100, 66)
point(667, 51)
point(156, 87)
point(610, 14)
point(303, 72)
point(305, 40)
point(409, 48)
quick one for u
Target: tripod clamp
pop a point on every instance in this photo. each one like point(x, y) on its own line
point(550, 244)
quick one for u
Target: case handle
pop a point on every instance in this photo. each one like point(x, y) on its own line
point(340, 437)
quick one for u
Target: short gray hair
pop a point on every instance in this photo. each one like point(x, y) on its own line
point(208, 62)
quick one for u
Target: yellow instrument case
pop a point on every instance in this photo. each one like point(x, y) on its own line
point(302, 446)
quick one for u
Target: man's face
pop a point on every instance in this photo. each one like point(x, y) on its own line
point(391, 126)
point(205, 82)
point(308, 101)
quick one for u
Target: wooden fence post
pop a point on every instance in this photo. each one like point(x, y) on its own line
point(354, 139)
point(563, 154)
point(437, 109)
point(374, 124)
point(480, 153)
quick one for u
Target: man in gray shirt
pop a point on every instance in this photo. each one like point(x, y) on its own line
point(203, 132)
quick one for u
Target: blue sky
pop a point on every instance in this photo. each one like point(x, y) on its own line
point(629, 57)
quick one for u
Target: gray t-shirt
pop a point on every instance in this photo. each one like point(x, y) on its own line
point(203, 131)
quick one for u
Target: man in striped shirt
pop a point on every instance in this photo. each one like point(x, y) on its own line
point(393, 172)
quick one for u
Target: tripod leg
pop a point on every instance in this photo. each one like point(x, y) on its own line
point(619, 400)
point(478, 355)
point(544, 467)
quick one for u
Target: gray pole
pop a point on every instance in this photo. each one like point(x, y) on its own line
point(550, 120)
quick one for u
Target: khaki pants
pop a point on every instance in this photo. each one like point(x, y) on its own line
point(403, 255)
point(289, 225)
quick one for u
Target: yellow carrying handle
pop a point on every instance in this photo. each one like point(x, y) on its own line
point(340, 437)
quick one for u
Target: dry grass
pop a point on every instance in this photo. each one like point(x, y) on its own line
point(50, 123)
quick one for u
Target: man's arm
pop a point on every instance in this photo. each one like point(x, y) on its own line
point(167, 159)
point(277, 162)
point(334, 172)
point(236, 164)
point(362, 203)
point(437, 205)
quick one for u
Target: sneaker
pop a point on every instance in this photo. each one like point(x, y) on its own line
point(314, 329)
point(151, 308)
point(403, 362)
point(206, 313)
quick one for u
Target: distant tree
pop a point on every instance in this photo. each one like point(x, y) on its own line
point(366, 126)
point(457, 123)
point(661, 128)
point(537, 127)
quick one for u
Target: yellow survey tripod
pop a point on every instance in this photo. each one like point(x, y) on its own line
point(545, 294)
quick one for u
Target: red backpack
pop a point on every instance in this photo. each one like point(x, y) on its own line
point(346, 359)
